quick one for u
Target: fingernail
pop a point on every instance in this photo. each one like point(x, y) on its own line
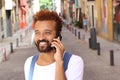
point(58, 37)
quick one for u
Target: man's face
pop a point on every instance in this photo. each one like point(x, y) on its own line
point(45, 32)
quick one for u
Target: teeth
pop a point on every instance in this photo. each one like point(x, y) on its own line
point(42, 43)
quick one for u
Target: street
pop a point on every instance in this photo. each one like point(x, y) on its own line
point(91, 30)
point(12, 69)
point(96, 67)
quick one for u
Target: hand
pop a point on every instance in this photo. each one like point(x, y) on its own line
point(59, 49)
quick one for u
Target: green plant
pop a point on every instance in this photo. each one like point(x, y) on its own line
point(78, 24)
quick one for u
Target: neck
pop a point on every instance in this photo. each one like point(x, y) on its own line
point(46, 58)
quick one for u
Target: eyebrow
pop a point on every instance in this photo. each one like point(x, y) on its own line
point(45, 30)
point(49, 30)
point(36, 30)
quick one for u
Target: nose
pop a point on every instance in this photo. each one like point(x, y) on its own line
point(41, 36)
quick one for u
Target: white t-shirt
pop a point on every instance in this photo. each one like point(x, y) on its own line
point(84, 22)
point(74, 71)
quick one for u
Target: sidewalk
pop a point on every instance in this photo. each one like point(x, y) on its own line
point(13, 68)
point(20, 35)
point(97, 67)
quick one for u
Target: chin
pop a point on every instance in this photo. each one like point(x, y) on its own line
point(47, 50)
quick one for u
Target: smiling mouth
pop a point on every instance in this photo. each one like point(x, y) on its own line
point(42, 43)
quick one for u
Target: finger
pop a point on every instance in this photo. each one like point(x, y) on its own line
point(55, 44)
point(59, 49)
point(59, 42)
point(59, 38)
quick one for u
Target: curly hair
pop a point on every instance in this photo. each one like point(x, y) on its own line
point(49, 15)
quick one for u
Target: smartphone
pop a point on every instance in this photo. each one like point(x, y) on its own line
point(53, 48)
point(57, 37)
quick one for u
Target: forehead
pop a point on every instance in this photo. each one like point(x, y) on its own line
point(49, 24)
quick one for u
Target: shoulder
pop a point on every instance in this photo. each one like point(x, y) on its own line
point(27, 67)
point(75, 62)
point(28, 62)
point(75, 59)
point(75, 68)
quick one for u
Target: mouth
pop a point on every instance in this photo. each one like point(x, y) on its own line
point(42, 43)
point(43, 46)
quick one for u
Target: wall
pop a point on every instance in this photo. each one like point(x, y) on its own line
point(105, 25)
point(3, 33)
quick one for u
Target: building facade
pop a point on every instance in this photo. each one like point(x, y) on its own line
point(9, 17)
point(2, 20)
point(105, 21)
point(101, 17)
point(13, 16)
point(116, 20)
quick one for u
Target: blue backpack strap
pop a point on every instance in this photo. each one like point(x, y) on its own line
point(66, 59)
point(35, 57)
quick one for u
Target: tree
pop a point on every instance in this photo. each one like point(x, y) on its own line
point(46, 4)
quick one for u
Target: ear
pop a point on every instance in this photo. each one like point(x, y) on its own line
point(58, 34)
point(60, 37)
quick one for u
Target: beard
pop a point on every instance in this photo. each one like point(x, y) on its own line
point(43, 46)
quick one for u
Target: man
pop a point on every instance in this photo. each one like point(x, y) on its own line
point(50, 64)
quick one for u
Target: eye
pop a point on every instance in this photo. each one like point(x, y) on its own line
point(48, 33)
point(37, 33)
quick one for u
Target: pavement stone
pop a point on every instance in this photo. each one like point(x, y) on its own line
point(97, 67)
point(5, 43)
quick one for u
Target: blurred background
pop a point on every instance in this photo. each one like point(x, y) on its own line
point(102, 35)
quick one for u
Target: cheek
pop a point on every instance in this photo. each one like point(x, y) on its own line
point(52, 37)
point(50, 40)
point(35, 40)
